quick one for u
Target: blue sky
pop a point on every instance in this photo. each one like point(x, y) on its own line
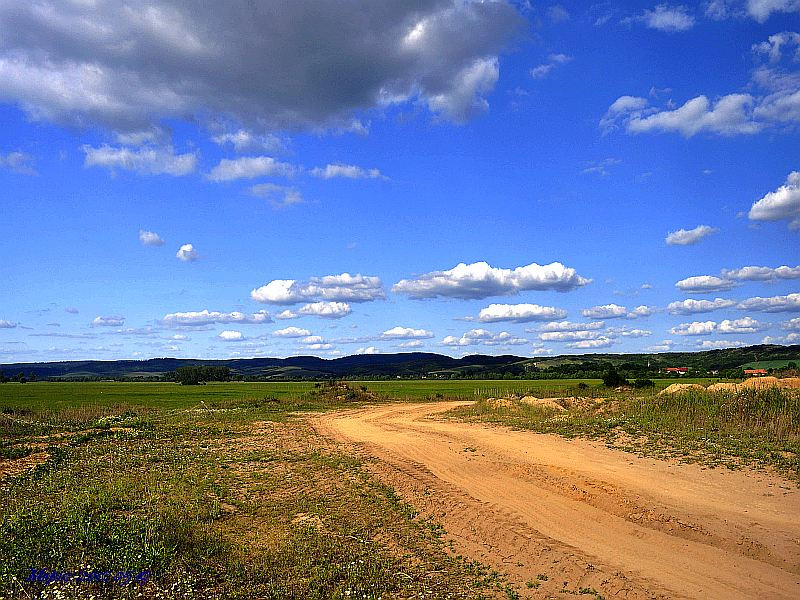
point(460, 177)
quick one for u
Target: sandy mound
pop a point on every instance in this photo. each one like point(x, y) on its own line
point(759, 383)
point(678, 388)
point(789, 382)
point(723, 387)
point(543, 402)
point(499, 403)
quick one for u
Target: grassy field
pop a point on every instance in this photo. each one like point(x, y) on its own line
point(170, 396)
point(223, 491)
point(60, 395)
point(44, 395)
point(747, 427)
point(213, 491)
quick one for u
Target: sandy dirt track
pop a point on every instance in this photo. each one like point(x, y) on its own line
point(586, 515)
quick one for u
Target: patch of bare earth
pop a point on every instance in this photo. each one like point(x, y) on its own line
point(589, 518)
point(11, 467)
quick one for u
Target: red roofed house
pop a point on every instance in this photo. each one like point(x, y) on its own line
point(678, 370)
point(755, 372)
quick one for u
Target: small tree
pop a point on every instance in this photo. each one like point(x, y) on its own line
point(612, 378)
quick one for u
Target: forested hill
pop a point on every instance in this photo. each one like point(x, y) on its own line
point(421, 364)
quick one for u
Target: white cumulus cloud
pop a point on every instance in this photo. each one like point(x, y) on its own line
point(520, 313)
point(691, 306)
point(703, 284)
point(247, 141)
point(791, 324)
point(286, 314)
point(412, 344)
point(606, 311)
point(761, 10)
point(667, 18)
point(332, 171)
point(8, 324)
point(791, 338)
point(664, 346)
point(146, 161)
point(687, 237)
point(332, 288)
point(280, 196)
point(18, 162)
point(570, 326)
point(406, 333)
point(368, 350)
point(729, 115)
point(719, 344)
point(629, 332)
point(782, 204)
point(553, 60)
point(743, 325)
point(292, 332)
point(150, 238)
point(187, 253)
point(326, 310)
point(753, 273)
point(249, 167)
point(231, 336)
point(695, 328)
point(787, 303)
point(485, 337)
point(286, 66)
point(111, 321)
point(208, 317)
point(600, 342)
point(621, 109)
point(480, 280)
point(569, 336)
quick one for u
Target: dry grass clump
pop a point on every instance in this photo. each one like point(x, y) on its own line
point(680, 388)
point(723, 387)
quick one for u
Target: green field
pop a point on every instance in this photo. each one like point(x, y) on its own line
point(58, 395)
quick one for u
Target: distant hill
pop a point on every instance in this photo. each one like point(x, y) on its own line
point(421, 364)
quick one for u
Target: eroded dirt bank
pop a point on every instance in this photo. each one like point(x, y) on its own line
point(587, 517)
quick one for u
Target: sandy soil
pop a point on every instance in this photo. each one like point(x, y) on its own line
point(584, 515)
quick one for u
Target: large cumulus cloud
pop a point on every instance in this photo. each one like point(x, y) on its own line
point(285, 64)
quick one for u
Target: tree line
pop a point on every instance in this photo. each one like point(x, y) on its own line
point(199, 375)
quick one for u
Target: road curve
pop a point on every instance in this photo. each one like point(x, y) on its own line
point(588, 516)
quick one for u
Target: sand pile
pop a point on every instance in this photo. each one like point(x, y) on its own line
point(756, 383)
point(678, 388)
point(759, 383)
point(499, 403)
point(543, 402)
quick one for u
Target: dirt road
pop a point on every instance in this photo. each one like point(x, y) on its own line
point(587, 517)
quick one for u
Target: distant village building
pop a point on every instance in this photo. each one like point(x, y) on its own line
point(755, 372)
point(678, 370)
